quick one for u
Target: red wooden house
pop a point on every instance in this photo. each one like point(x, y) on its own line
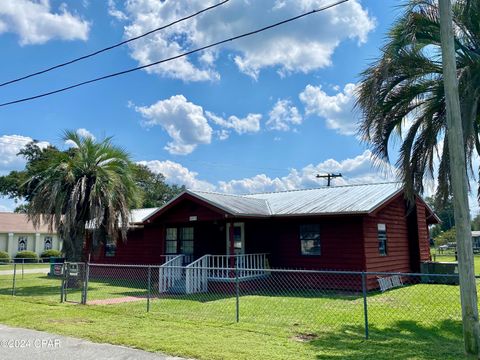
point(356, 228)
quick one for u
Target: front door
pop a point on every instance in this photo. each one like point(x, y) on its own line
point(238, 238)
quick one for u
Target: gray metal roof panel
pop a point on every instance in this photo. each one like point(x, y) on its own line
point(235, 204)
point(349, 199)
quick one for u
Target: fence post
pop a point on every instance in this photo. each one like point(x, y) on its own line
point(365, 305)
point(62, 289)
point(149, 286)
point(85, 284)
point(14, 277)
point(237, 295)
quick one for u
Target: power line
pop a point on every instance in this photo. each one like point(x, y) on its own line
point(112, 46)
point(173, 57)
point(329, 177)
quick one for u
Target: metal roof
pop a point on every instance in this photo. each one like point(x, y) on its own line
point(349, 199)
point(235, 204)
point(139, 215)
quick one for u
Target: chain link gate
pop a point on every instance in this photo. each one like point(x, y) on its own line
point(74, 283)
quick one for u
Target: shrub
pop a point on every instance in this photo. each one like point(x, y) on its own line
point(50, 253)
point(26, 256)
point(4, 257)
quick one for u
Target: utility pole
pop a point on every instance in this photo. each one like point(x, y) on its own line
point(458, 179)
point(329, 177)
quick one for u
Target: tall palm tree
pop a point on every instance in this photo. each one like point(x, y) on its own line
point(90, 185)
point(401, 94)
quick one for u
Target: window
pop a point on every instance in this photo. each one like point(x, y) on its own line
point(110, 248)
point(237, 239)
point(186, 236)
point(310, 239)
point(22, 243)
point(171, 241)
point(382, 239)
point(47, 243)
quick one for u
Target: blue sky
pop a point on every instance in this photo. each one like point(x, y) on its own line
point(262, 114)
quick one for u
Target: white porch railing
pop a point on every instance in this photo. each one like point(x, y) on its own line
point(196, 273)
point(170, 272)
point(248, 265)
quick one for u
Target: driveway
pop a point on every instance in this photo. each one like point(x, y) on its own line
point(23, 344)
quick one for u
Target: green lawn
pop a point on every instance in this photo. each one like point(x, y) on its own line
point(413, 322)
point(451, 258)
point(25, 266)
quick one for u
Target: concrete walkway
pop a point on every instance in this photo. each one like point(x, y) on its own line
point(26, 271)
point(23, 344)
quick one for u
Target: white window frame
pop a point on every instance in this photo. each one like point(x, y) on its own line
point(382, 229)
point(237, 251)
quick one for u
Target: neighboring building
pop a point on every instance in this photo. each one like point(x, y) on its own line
point(357, 227)
point(18, 234)
point(476, 240)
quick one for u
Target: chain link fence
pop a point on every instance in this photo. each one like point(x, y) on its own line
point(365, 302)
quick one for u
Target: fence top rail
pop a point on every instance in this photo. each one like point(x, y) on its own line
point(276, 270)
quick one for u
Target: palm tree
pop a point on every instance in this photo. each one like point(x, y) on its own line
point(401, 95)
point(89, 186)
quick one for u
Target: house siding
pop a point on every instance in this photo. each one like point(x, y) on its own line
point(394, 217)
point(340, 238)
point(423, 232)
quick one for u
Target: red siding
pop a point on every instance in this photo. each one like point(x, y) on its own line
point(143, 246)
point(423, 233)
point(398, 254)
point(341, 242)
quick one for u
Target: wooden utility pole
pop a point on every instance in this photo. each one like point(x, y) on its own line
point(458, 179)
point(329, 177)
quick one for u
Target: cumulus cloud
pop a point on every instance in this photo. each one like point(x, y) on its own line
point(36, 23)
point(283, 116)
point(337, 110)
point(183, 121)
point(10, 145)
point(359, 169)
point(248, 124)
point(175, 173)
point(303, 46)
point(83, 133)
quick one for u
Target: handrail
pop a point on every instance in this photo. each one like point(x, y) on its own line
point(169, 273)
point(196, 278)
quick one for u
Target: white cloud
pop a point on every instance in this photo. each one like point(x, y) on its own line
point(283, 115)
point(248, 124)
point(35, 22)
point(183, 121)
point(10, 145)
point(337, 110)
point(302, 46)
point(177, 174)
point(115, 12)
point(359, 169)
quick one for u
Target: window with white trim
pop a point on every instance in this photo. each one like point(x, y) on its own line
point(310, 239)
point(22, 243)
point(382, 239)
point(47, 243)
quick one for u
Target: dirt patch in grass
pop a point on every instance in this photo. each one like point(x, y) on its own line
point(304, 337)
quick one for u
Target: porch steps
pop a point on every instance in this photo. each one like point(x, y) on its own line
point(178, 287)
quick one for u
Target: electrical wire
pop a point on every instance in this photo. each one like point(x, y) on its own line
point(112, 46)
point(173, 57)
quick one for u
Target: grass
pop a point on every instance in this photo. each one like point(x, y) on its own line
point(25, 266)
point(415, 322)
point(451, 258)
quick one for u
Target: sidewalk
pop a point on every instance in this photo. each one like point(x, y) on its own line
point(24, 344)
point(25, 271)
